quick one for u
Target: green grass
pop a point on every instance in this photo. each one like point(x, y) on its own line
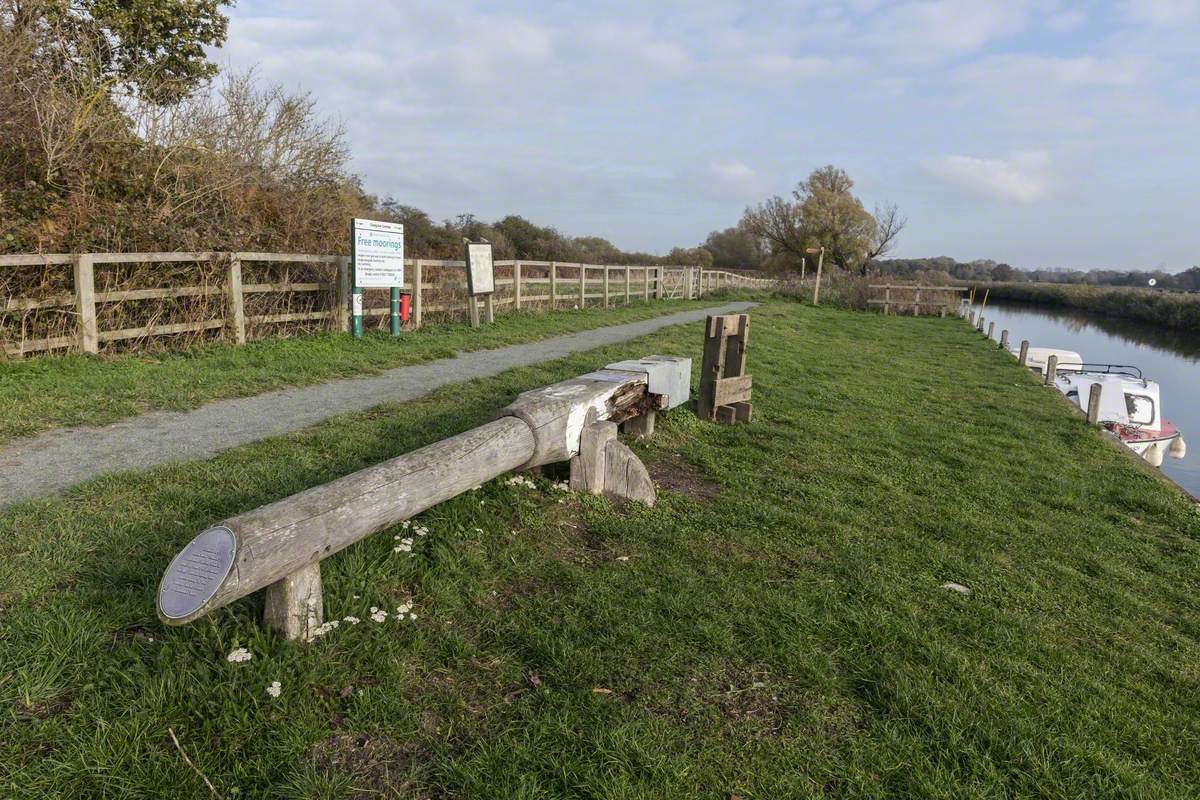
point(40, 394)
point(778, 629)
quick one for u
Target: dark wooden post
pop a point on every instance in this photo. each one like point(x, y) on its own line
point(991, 329)
point(1004, 338)
point(1093, 406)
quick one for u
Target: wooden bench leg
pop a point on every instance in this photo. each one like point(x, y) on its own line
point(587, 467)
point(642, 427)
point(294, 605)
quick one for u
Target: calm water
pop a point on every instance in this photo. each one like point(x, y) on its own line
point(1169, 357)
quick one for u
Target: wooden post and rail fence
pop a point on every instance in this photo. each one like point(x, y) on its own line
point(222, 300)
point(908, 297)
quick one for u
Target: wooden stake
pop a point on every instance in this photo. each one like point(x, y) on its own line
point(991, 329)
point(85, 303)
point(517, 285)
point(489, 309)
point(1023, 358)
point(234, 299)
point(1093, 406)
point(582, 287)
point(1051, 369)
point(417, 294)
point(553, 284)
point(1004, 339)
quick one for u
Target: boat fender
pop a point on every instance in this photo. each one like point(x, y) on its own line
point(1178, 448)
point(1154, 454)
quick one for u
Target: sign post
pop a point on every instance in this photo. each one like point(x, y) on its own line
point(377, 261)
point(481, 278)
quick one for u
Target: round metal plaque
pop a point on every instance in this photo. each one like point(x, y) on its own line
point(194, 575)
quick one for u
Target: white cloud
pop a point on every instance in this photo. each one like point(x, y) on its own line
point(926, 30)
point(1039, 74)
point(736, 180)
point(1163, 13)
point(1023, 177)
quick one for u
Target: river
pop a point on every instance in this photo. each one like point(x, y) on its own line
point(1170, 357)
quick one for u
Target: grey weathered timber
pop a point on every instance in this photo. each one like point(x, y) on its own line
point(85, 303)
point(418, 306)
point(991, 329)
point(641, 426)
point(517, 285)
point(1004, 339)
point(587, 466)
point(553, 285)
point(489, 309)
point(625, 476)
point(284, 537)
point(1051, 369)
point(234, 301)
point(1093, 406)
point(280, 545)
point(1023, 358)
point(341, 296)
point(294, 605)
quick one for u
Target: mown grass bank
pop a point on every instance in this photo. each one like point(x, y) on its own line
point(776, 627)
point(1169, 309)
point(40, 394)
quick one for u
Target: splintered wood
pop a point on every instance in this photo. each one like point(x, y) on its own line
point(724, 387)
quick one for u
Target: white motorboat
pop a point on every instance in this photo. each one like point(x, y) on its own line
point(1130, 407)
point(1129, 404)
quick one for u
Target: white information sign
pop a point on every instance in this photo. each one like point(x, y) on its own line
point(377, 249)
point(481, 276)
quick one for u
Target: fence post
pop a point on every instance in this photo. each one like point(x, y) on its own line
point(658, 283)
point(553, 284)
point(341, 294)
point(582, 286)
point(917, 304)
point(517, 285)
point(418, 293)
point(627, 285)
point(606, 286)
point(1093, 406)
point(645, 284)
point(85, 303)
point(1051, 369)
point(887, 298)
point(1023, 358)
point(235, 300)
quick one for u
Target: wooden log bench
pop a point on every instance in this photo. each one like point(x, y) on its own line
point(279, 547)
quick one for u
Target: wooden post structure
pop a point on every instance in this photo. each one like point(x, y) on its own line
point(582, 286)
point(1004, 339)
point(646, 284)
point(473, 310)
point(1093, 406)
point(658, 285)
point(279, 546)
point(991, 329)
point(489, 308)
point(341, 294)
point(817, 285)
point(1051, 369)
point(517, 285)
point(724, 394)
point(606, 286)
point(1023, 358)
point(626, 285)
point(417, 293)
point(887, 298)
point(85, 303)
point(979, 325)
point(236, 314)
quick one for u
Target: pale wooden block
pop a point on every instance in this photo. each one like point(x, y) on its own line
point(294, 605)
point(587, 467)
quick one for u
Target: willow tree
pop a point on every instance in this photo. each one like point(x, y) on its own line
point(824, 212)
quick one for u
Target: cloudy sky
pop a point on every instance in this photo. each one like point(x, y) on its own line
point(1041, 132)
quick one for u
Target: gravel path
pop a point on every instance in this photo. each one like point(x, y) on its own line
point(55, 460)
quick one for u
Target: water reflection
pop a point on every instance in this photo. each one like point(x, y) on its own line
point(1167, 356)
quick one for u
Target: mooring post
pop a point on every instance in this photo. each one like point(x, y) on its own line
point(991, 329)
point(1093, 407)
point(1023, 358)
point(1051, 369)
point(1004, 339)
point(971, 318)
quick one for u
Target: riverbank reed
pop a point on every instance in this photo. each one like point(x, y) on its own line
point(1175, 310)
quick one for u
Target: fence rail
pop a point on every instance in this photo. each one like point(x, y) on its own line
point(59, 302)
point(909, 297)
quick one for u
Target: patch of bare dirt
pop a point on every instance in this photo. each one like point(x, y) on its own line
point(377, 765)
point(672, 473)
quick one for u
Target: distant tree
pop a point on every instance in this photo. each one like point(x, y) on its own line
point(735, 248)
point(689, 257)
point(823, 212)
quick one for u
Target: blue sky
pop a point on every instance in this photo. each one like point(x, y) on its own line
point(1045, 134)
